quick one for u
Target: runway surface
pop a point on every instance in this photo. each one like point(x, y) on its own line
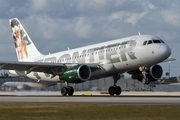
point(97, 97)
point(121, 100)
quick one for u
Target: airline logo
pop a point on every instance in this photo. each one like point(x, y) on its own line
point(114, 53)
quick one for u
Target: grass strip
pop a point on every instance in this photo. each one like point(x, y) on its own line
point(87, 112)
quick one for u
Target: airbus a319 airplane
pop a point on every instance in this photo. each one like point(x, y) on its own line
point(137, 55)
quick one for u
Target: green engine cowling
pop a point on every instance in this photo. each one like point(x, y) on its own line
point(77, 74)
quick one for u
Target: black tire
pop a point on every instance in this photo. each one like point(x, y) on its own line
point(118, 90)
point(64, 91)
point(70, 91)
point(111, 90)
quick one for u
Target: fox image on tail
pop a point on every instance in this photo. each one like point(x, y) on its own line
point(24, 46)
point(20, 45)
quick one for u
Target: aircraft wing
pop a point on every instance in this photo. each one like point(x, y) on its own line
point(50, 68)
point(169, 59)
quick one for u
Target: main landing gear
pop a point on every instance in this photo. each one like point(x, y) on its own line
point(115, 89)
point(67, 90)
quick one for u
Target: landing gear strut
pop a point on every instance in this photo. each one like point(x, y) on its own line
point(67, 90)
point(115, 89)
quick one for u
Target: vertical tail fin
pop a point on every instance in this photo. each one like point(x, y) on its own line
point(25, 48)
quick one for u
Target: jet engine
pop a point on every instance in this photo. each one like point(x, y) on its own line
point(153, 73)
point(77, 74)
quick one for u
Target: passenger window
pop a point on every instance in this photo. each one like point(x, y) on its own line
point(144, 42)
point(149, 42)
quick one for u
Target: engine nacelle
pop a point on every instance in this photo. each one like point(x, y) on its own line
point(77, 74)
point(153, 73)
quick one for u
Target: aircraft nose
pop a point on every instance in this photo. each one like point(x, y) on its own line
point(164, 51)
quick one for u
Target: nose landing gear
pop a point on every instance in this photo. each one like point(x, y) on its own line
point(145, 80)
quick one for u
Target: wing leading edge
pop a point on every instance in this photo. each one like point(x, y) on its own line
point(49, 68)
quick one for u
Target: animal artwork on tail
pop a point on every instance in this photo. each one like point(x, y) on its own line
point(20, 39)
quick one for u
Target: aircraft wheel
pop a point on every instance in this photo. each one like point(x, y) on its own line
point(118, 90)
point(112, 90)
point(64, 91)
point(70, 91)
point(144, 81)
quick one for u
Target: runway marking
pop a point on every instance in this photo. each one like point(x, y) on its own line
point(86, 94)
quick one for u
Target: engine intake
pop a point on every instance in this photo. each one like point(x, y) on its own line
point(156, 72)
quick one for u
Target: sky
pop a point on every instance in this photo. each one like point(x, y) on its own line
point(54, 25)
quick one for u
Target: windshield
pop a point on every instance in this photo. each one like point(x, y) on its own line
point(147, 42)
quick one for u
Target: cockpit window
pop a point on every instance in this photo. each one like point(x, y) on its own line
point(156, 41)
point(162, 41)
point(149, 42)
point(144, 42)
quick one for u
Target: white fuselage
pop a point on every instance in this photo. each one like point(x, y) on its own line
point(115, 56)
